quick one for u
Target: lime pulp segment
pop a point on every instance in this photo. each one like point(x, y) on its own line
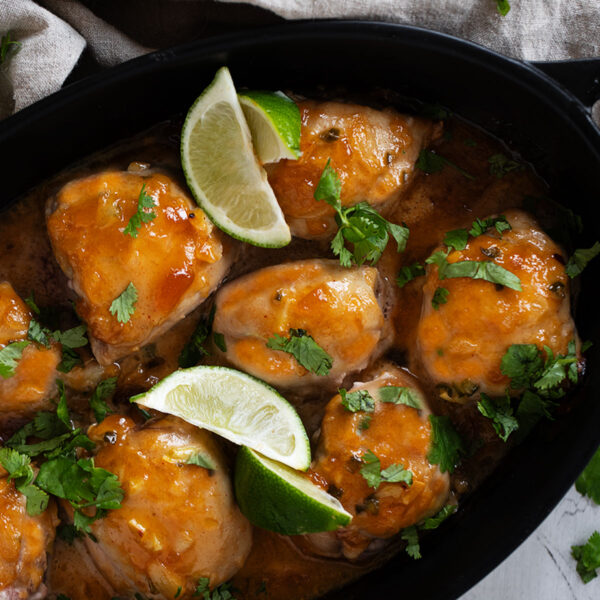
point(235, 406)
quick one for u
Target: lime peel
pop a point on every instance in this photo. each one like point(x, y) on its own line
point(236, 406)
point(277, 498)
point(274, 121)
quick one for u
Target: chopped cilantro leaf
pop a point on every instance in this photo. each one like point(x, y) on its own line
point(501, 414)
point(580, 259)
point(365, 422)
point(522, 363)
point(219, 340)
point(447, 446)
point(474, 269)
point(304, 349)
point(588, 483)
point(361, 225)
point(480, 226)
point(411, 536)
point(124, 305)
point(503, 7)
point(145, 201)
point(36, 333)
point(409, 273)
point(201, 460)
point(437, 519)
point(374, 476)
point(401, 395)
point(194, 350)
point(72, 338)
point(70, 359)
point(457, 239)
point(440, 296)
point(68, 533)
point(430, 162)
point(9, 357)
point(104, 390)
point(30, 301)
point(360, 400)
point(588, 557)
point(221, 592)
point(500, 164)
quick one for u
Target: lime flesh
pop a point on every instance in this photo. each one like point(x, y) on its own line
point(274, 122)
point(235, 406)
point(277, 498)
point(223, 172)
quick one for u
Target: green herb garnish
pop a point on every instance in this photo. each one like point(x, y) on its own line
point(580, 259)
point(409, 273)
point(124, 305)
point(401, 395)
point(588, 558)
point(361, 225)
point(500, 164)
point(360, 400)
point(9, 358)
point(145, 201)
point(8, 47)
point(219, 340)
point(201, 460)
point(104, 390)
point(411, 534)
point(430, 162)
point(374, 476)
point(500, 411)
point(440, 296)
point(503, 7)
point(588, 483)
point(446, 445)
point(194, 350)
point(304, 349)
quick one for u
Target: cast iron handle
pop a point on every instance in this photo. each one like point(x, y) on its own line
point(580, 77)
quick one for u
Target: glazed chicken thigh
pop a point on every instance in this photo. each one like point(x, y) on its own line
point(173, 262)
point(24, 543)
point(33, 381)
point(461, 344)
point(178, 522)
point(373, 151)
point(340, 308)
point(395, 434)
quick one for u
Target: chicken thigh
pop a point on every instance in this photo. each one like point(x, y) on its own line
point(461, 344)
point(32, 383)
point(24, 543)
point(166, 267)
point(394, 434)
point(178, 521)
point(373, 151)
point(340, 308)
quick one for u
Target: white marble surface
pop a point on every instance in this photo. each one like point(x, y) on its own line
point(542, 567)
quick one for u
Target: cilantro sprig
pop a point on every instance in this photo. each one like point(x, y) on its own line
point(501, 165)
point(90, 490)
point(124, 305)
point(588, 557)
point(304, 349)
point(374, 476)
point(500, 412)
point(194, 349)
point(401, 395)
point(503, 7)
point(221, 592)
point(588, 483)
point(70, 340)
point(408, 273)
point(145, 201)
point(201, 460)
point(104, 390)
point(360, 225)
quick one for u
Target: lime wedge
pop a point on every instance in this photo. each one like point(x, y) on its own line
point(222, 171)
point(275, 497)
point(235, 406)
point(274, 122)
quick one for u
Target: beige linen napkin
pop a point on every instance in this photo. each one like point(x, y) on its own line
point(53, 33)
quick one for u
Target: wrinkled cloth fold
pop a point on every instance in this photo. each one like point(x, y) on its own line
point(53, 33)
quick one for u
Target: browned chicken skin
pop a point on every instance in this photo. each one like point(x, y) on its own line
point(33, 383)
point(178, 522)
point(396, 434)
point(340, 308)
point(24, 544)
point(373, 151)
point(175, 261)
point(462, 343)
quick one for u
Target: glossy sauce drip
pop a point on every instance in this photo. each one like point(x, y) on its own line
point(432, 205)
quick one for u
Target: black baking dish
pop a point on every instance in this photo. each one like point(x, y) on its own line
point(518, 102)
